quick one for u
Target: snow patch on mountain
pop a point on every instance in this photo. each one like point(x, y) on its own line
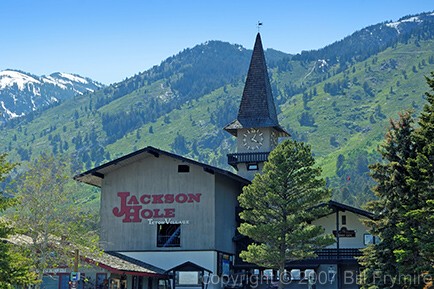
point(396, 24)
point(22, 92)
point(73, 77)
point(412, 19)
point(10, 77)
point(51, 80)
point(9, 113)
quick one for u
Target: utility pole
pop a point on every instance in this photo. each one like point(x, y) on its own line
point(75, 275)
point(77, 255)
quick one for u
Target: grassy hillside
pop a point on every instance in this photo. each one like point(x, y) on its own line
point(341, 109)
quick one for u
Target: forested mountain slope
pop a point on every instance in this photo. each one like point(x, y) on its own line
point(338, 99)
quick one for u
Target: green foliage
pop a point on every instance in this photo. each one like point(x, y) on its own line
point(369, 74)
point(279, 205)
point(404, 209)
point(379, 260)
point(416, 235)
point(15, 268)
point(47, 217)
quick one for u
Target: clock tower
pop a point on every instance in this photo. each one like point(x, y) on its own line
point(256, 128)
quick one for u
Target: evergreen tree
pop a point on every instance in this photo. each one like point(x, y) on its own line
point(379, 262)
point(279, 206)
point(416, 237)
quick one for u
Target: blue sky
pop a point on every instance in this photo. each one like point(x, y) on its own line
point(110, 40)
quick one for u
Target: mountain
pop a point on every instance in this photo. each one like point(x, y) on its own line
point(338, 99)
point(21, 92)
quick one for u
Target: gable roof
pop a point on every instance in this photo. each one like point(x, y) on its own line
point(342, 207)
point(188, 266)
point(117, 263)
point(257, 107)
point(95, 176)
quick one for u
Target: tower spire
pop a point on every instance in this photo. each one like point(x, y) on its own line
point(257, 107)
point(257, 128)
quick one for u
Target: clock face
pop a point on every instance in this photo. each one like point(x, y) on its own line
point(253, 139)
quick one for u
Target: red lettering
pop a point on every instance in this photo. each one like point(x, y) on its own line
point(169, 213)
point(158, 214)
point(119, 212)
point(169, 198)
point(194, 198)
point(181, 198)
point(157, 199)
point(131, 208)
point(130, 213)
point(145, 199)
point(146, 214)
point(133, 200)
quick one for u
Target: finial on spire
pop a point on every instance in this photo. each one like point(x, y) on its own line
point(259, 25)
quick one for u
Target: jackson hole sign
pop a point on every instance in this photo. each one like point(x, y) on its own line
point(133, 209)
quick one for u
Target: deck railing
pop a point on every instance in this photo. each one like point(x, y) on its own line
point(344, 254)
point(234, 159)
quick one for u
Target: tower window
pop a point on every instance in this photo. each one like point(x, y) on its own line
point(183, 169)
point(169, 235)
point(252, 167)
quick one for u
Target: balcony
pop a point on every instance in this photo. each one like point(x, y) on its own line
point(328, 256)
point(344, 254)
point(235, 159)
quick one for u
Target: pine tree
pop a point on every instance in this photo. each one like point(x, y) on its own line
point(279, 205)
point(379, 262)
point(405, 206)
point(415, 256)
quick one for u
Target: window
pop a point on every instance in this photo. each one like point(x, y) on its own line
point(344, 220)
point(370, 239)
point(101, 281)
point(295, 274)
point(309, 274)
point(252, 167)
point(183, 169)
point(169, 235)
point(163, 284)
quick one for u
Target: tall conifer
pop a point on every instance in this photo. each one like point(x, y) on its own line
point(415, 256)
point(379, 262)
point(279, 206)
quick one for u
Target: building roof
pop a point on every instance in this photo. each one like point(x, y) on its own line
point(342, 207)
point(188, 266)
point(117, 263)
point(96, 175)
point(336, 206)
point(111, 261)
point(257, 107)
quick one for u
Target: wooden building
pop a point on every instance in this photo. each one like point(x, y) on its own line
point(181, 215)
point(165, 209)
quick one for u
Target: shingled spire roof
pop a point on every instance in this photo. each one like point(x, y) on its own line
point(257, 104)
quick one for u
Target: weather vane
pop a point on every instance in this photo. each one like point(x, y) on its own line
point(259, 25)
